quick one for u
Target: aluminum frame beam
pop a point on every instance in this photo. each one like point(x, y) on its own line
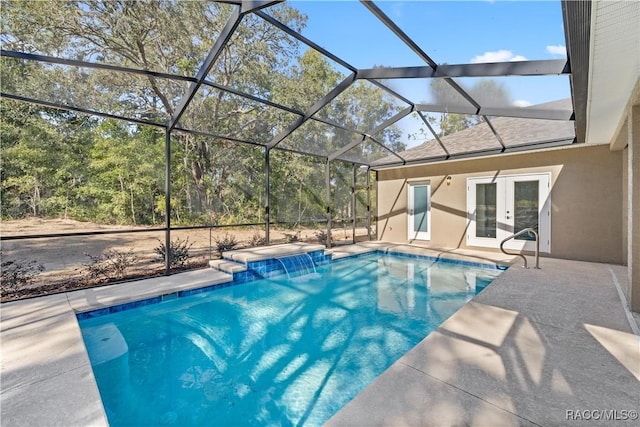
point(327, 183)
point(518, 112)
point(341, 87)
point(252, 6)
point(336, 154)
point(479, 153)
point(492, 69)
point(433, 132)
point(390, 121)
point(223, 88)
point(409, 42)
point(398, 32)
point(346, 148)
point(375, 141)
point(257, 144)
point(236, 92)
point(167, 203)
point(267, 195)
point(214, 53)
point(217, 136)
point(85, 64)
point(495, 133)
point(369, 202)
point(94, 65)
point(296, 35)
point(387, 148)
point(256, 7)
point(391, 92)
point(353, 204)
point(147, 73)
point(65, 107)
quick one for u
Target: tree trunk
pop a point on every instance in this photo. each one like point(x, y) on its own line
point(133, 209)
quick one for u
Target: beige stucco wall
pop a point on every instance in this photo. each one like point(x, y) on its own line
point(586, 199)
point(625, 204)
point(633, 204)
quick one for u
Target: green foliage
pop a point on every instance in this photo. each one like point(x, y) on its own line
point(16, 274)
point(226, 242)
point(178, 252)
point(126, 166)
point(110, 264)
point(42, 163)
point(452, 123)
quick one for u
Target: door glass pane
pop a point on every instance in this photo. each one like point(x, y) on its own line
point(486, 210)
point(525, 207)
point(420, 198)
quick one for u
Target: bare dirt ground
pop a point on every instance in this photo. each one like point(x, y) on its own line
point(65, 259)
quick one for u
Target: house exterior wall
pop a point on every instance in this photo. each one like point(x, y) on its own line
point(633, 206)
point(625, 204)
point(586, 200)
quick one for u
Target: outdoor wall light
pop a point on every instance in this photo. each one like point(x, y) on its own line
point(449, 180)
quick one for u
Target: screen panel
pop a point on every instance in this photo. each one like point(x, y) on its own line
point(129, 34)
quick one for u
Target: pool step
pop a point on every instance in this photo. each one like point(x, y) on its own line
point(227, 266)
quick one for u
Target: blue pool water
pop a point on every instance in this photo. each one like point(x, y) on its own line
point(272, 352)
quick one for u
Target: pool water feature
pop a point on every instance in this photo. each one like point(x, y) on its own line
point(297, 265)
point(273, 351)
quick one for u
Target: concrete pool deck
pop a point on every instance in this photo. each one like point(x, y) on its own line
point(532, 346)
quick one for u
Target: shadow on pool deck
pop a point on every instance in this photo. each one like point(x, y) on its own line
point(535, 347)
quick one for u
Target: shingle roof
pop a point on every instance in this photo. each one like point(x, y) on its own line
point(514, 132)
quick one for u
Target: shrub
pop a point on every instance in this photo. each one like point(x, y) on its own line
point(225, 243)
point(110, 264)
point(292, 238)
point(17, 274)
point(257, 240)
point(321, 235)
point(178, 252)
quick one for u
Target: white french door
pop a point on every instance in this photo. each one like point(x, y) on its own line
point(419, 211)
point(498, 207)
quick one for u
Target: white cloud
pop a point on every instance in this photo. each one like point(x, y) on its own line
point(397, 9)
point(498, 56)
point(557, 50)
point(521, 103)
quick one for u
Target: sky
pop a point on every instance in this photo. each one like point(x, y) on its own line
point(452, 32)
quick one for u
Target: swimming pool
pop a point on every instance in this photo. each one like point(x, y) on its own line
point(273, 351)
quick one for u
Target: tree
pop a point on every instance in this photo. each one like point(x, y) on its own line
point(127, 171)
point(42, 165)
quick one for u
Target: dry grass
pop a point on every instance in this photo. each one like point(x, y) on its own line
point(65, 260)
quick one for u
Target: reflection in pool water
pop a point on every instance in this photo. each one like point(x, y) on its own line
point(277, 351)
